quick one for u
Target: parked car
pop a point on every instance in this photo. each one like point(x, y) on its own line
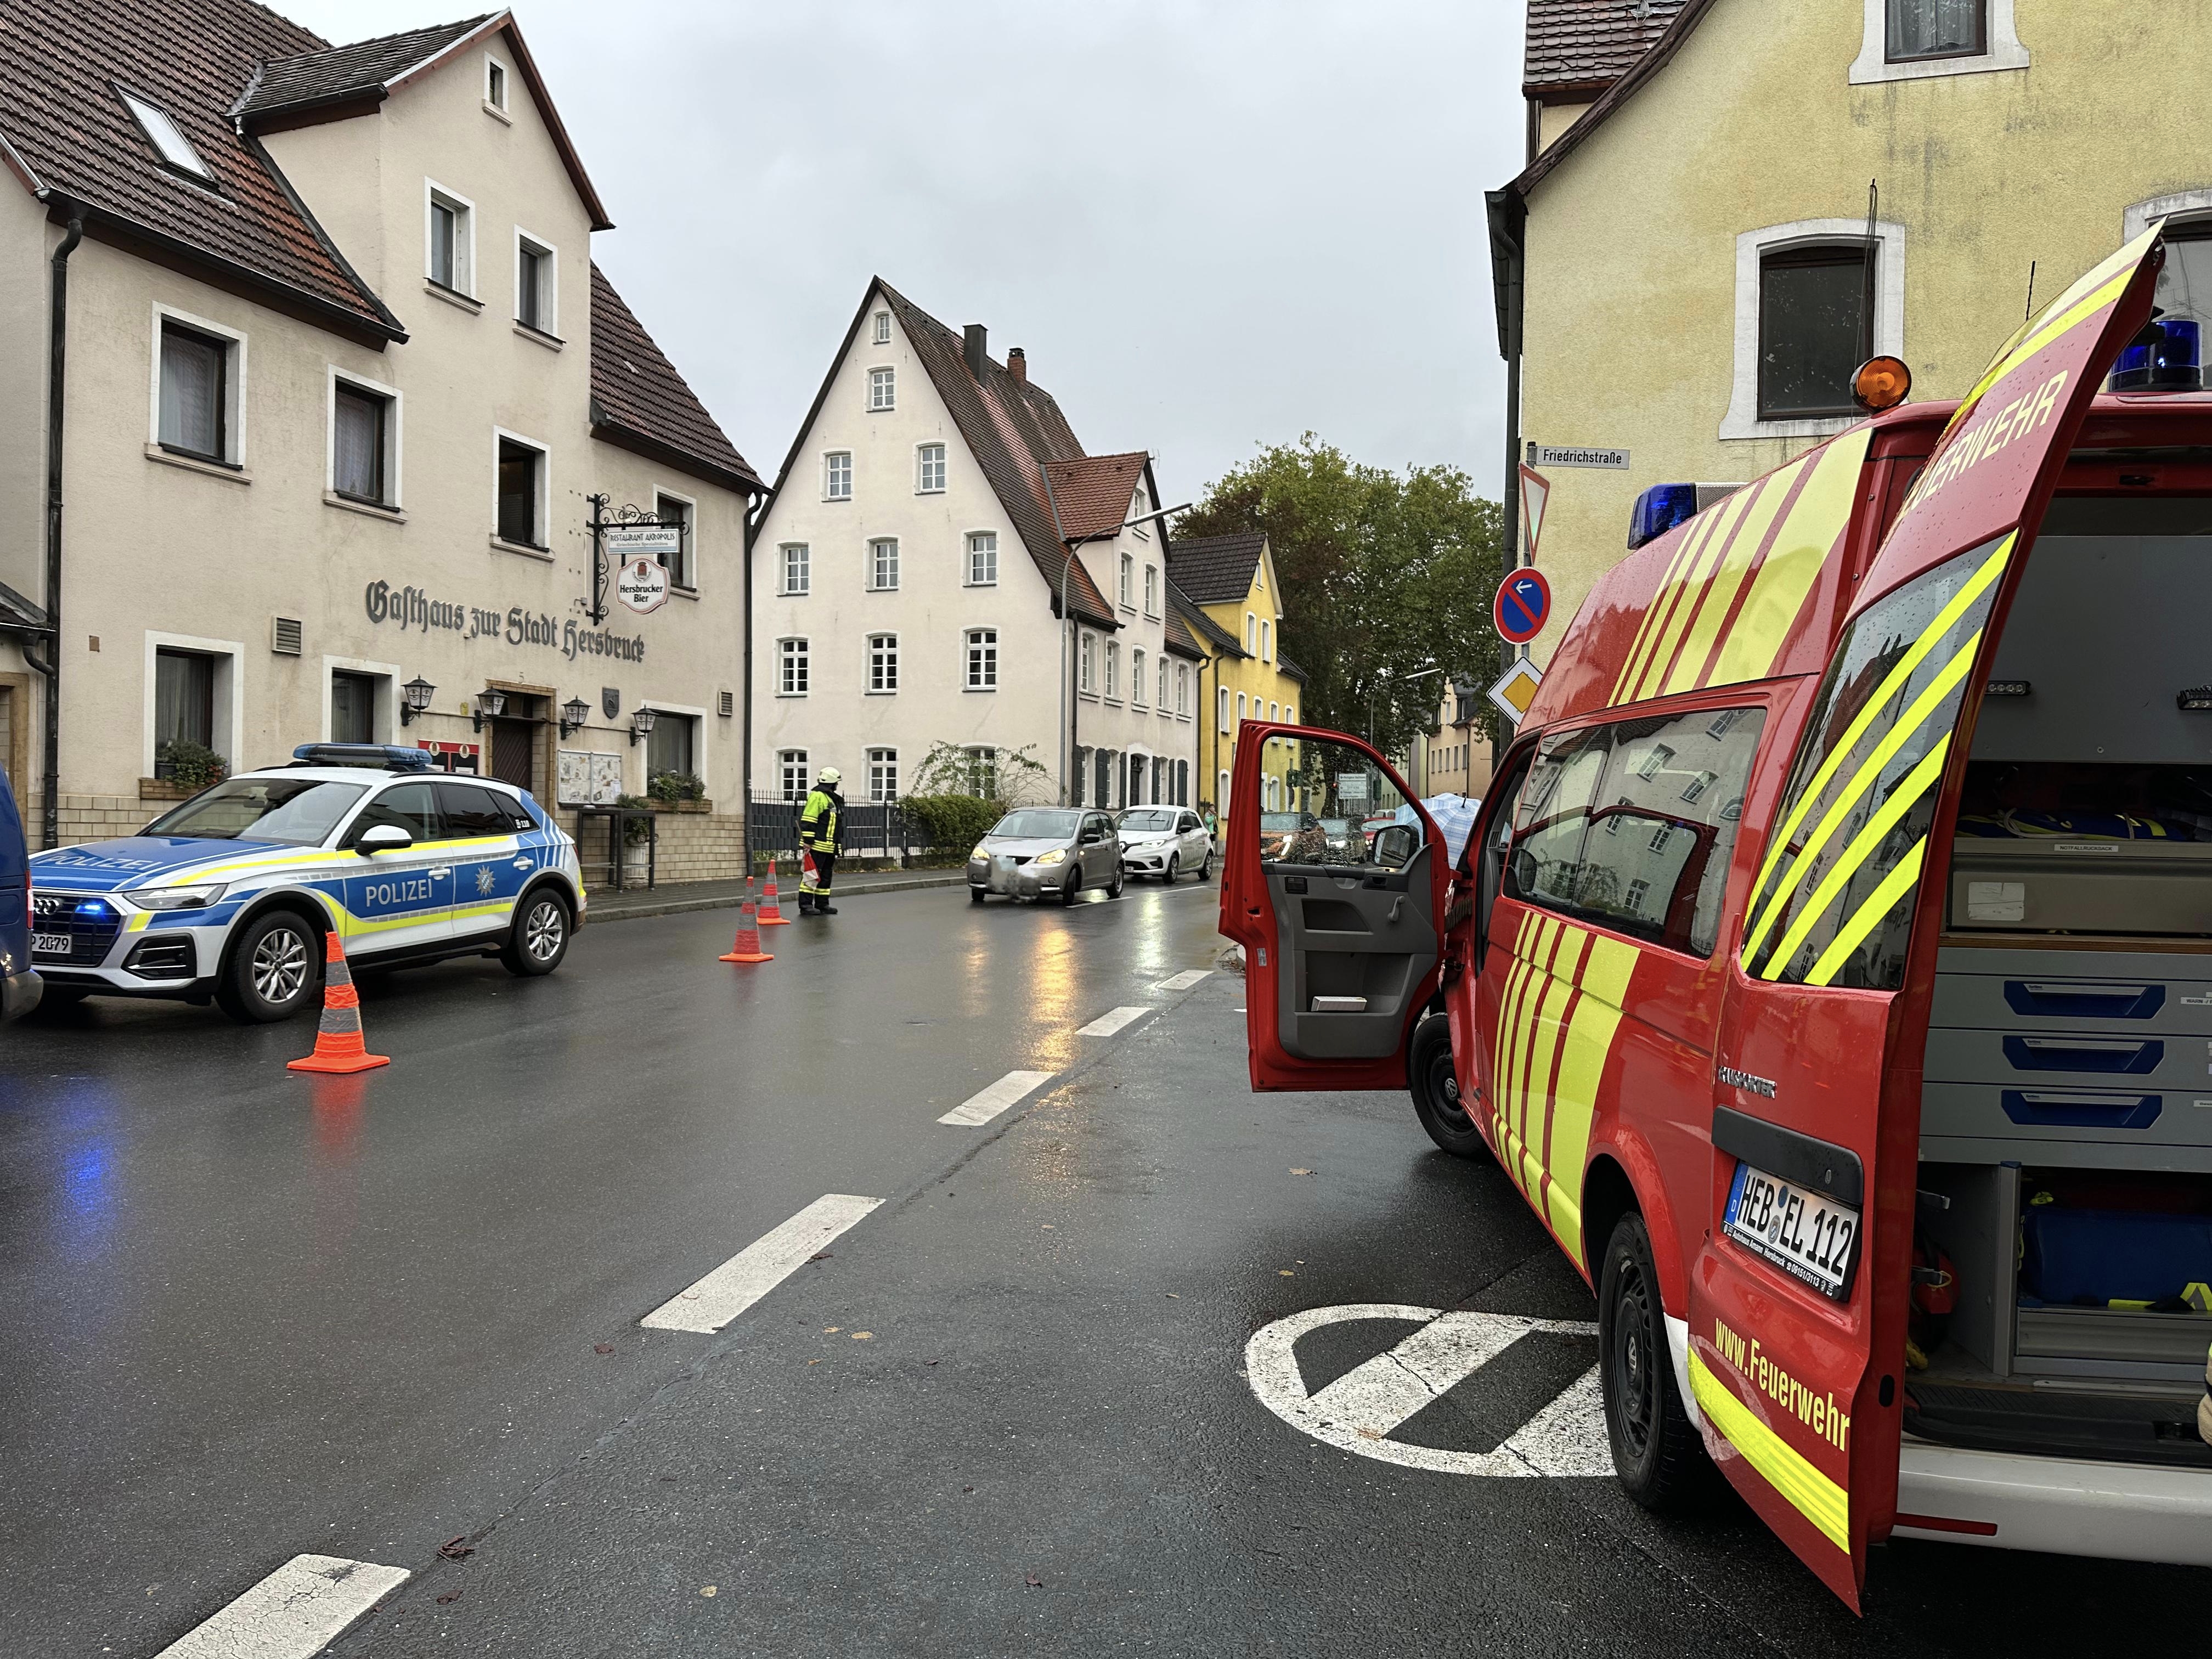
point(1046, 852)
point(230, 896)
point(20, 984)
point(1164, 842)
point(1291, 834)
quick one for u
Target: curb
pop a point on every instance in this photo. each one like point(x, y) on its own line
point(677, 907)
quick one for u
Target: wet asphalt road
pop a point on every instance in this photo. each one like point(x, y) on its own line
point(247, 1315)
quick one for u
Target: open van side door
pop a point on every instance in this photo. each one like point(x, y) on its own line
point(1799, 1292)
point(1340, 910)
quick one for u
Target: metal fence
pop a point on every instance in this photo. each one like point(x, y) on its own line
point(877, 828)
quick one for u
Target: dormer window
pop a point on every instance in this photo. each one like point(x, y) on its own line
point(168, 140)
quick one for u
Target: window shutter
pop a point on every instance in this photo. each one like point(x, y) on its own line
point(284, 635)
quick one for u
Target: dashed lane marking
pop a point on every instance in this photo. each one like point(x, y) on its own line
point(1184, 981)
point(1358, 1411)
point(296, 1611)
point(1113, 1020)
point(759, 1268)
point(986, 1105)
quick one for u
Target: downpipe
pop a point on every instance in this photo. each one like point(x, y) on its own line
point(50, 667)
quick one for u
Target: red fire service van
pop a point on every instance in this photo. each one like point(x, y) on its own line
point(1831, 964)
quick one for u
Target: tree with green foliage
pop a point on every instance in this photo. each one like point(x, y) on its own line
point(1382, 574)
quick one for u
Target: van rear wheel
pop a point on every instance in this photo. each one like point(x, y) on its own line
point(1656, 1450)
point(1434, 1081)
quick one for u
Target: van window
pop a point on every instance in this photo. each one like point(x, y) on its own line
point(1833, 902)
point(1658, 824)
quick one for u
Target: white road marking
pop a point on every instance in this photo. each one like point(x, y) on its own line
point(1184, 981)
point(759, 1268)
point(1112, 1021)
point(988, 1104)
point(1358, 1411)
point(296, 1611)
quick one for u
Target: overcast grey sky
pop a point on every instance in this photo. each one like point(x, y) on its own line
point(1211, 225)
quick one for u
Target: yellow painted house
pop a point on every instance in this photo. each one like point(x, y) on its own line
point(1228, 595)
point(1682, 269)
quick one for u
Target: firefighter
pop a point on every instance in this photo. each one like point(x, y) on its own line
point(821, 837)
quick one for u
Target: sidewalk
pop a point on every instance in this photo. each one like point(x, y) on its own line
point(671, 898)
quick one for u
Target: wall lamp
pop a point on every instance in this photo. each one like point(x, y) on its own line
point(414, 697)
point(640, 725)
point(574, 714)
point(491, 705)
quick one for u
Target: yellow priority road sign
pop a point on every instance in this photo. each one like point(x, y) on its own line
point(1517, 689)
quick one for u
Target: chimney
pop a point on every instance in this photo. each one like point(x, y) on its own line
point(978, 358)
point(1017, 364)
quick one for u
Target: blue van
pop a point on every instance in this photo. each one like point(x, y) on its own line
point(19, 985)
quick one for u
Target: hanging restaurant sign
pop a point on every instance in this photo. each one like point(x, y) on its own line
point(641, 582)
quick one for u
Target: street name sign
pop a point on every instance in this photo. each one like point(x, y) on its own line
point(1609, 460)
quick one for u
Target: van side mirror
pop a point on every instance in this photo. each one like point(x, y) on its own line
point(1395, 845)
point(383, 838)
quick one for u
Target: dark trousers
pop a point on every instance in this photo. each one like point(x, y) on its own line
point(825, 867)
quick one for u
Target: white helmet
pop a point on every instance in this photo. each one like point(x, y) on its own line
point(829, 774)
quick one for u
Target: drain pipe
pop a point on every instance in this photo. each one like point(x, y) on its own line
point(57, 362)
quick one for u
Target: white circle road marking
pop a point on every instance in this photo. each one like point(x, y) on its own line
point(1358, 1411)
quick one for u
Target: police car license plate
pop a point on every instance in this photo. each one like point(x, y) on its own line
point(1807, 1234)
point(50, 944)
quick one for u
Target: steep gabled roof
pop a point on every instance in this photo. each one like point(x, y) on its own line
point(1093, 492)
point(1577, 48)
point(1206, 633)
point(65, 132)
point(1657, 57)
point(1290, 668)
point(1216, 569)
point(639, 402)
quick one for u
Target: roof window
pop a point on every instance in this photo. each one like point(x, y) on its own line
point(175, 149)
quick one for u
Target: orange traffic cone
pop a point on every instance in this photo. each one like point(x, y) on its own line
point(747, 946)
point(772, 905)
point(338, 1043)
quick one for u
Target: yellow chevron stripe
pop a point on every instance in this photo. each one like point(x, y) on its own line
point(1810, 1492)
point(1605, 977)
point(1976, 585)
point(1910, 722)
point(1865, 920)
point(1758, 517)
point(1918, 782)
point(1685, 551)
point(1681, 598)
point(2090, 292)
point(1794, 564)
point(1550, 1031)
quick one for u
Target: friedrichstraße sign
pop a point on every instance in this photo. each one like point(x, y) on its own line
point(1610, 460)
point(410, 607)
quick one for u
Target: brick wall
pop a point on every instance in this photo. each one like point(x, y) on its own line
point(104, 817)
point(694, 846)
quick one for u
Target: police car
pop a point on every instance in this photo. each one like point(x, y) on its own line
point(230, 895)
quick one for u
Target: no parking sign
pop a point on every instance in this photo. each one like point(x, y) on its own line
point(1523, 607)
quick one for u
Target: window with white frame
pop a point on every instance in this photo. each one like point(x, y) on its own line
point(1128, 570)
point(929, 470)
point(196, 402)
point(883, 328)
point(982, 771)
point(1086, 677)
point(520, 510)
point(883, 774)
point(883, 564)
point(1240, 708)
point(982, 660)
point(1152, 589)
point(1140, 505)
point(1803, 326)
point(535, 293)
point(1274, 711)
point(1913, 39)
point(168, 139)
point(1223, 696)
point(183, 702)
point(792, 675)
point(683, 565)
point(793, 774)
point(1136, 677)
point(450, 251)
point(1251, 633)
point(364, 441)
point(1935, 28)
point(837, 476)
point(797, 559)
point(883, 389)
point(882, 664)
point(1182, 689)
point(983, 558)
point(1112, 669)
point(494, 83)
point(1290, 715)
point(1161, 702)
point(1221, 792)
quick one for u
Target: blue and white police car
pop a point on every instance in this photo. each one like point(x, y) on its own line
point(230, 896)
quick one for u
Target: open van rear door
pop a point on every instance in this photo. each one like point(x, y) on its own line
point(1338, 904)
point(1799, 1292)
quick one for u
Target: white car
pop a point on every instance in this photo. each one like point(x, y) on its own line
point(230, 895)
point(1165, 841)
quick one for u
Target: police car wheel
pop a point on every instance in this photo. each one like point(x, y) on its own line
point(1656, 1451)
point(539, 938)
point(273, 971)
point(1434, 1082)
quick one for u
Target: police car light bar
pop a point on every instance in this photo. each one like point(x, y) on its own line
point(384, 757)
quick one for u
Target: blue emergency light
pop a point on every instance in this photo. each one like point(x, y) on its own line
point(1659, 509)
point(2162, 358)
point(383, 757)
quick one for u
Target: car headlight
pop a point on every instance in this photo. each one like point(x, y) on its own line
point(979, 852)
point(1058, 855)
point(176, 898)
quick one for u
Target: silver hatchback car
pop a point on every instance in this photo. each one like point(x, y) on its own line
point(1046, 852)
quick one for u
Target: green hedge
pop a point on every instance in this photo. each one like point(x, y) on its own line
point(953, 822)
